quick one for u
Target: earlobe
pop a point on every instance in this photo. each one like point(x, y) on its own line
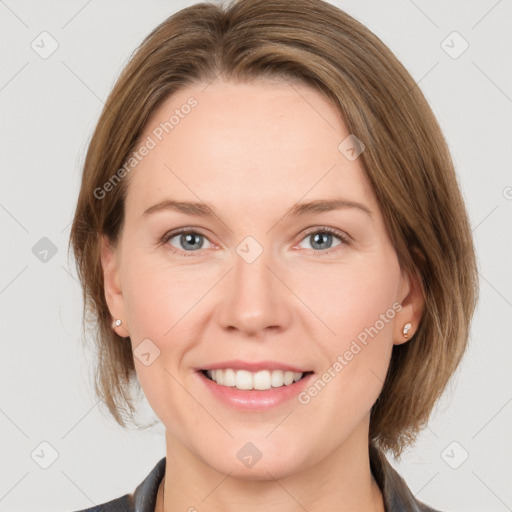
point(112, 285)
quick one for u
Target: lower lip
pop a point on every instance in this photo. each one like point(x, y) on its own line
point(252, 399)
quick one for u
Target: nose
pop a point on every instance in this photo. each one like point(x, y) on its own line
point(255, 299)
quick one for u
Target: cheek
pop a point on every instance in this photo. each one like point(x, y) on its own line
point(352, 299)
point(357, 305)
point(354, 340)
point(162, 303)
point(157, 295)
point(157, 299)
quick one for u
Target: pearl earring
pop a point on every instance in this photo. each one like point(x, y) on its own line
point(116, 323)
point(406, 328)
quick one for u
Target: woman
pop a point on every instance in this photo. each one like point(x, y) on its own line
point(271, 238)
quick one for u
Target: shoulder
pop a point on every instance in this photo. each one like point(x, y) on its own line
point(142, 499)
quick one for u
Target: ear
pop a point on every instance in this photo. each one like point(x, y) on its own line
point(411, 297)
point(112, 285)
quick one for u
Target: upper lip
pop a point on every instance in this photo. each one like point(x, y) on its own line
point(252, 366)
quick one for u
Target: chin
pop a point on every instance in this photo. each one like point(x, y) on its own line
point(256, 461)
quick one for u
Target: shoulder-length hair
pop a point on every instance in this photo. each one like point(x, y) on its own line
point(406, 160)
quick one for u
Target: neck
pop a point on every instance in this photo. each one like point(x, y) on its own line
point(343, 478)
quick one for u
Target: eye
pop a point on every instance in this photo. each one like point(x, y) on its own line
point(186, 241)
point(321, 239)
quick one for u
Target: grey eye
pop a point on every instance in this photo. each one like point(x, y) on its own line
point(321, 240)
point(189, 241)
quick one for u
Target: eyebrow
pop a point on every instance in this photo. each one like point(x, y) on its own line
point(298, 210)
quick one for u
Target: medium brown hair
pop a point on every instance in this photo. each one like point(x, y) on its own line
point(406, 160)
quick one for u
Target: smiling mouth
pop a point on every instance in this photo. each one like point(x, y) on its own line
point(260, 380)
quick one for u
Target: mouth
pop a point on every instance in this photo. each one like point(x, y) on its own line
point(261, 380)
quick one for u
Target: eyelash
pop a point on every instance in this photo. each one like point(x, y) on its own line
point(344, 239)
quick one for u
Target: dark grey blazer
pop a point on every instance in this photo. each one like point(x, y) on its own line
point(397, 496)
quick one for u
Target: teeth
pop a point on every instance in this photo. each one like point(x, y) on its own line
point(264, 379)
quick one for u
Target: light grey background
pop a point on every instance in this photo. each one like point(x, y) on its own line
point(49, 109)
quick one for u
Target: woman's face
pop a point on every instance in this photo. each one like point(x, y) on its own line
point(257, 285)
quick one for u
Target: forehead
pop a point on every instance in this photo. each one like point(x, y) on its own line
point(260, 141)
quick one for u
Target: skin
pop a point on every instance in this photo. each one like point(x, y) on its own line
point(253, 150)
